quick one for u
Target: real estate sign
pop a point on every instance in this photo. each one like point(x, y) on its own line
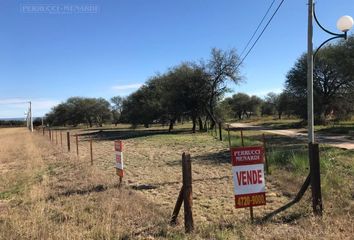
point(248, 176)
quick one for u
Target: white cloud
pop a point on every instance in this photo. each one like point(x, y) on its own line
point(127, 87)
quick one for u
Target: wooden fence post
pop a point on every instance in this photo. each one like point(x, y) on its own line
point(77, 145)
point(177, 207)
point(68, 140)
point(61, 139)
point(187, 195)
point(56, 137)
point(265, 154)
point(43, 131)
point(228, 135)
point(220, 131)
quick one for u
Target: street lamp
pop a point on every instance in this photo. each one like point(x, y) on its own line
point(344, 24)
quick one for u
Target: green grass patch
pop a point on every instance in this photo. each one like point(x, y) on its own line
point(292, 160)
point(16, 189)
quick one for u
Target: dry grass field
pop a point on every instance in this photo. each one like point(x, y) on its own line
point(48, 193)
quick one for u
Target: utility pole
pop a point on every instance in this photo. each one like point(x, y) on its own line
point(310, 119)
point(30, 116)
point(313, 148)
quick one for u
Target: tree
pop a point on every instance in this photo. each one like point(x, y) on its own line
point(269, 104)
point(283, 104)
point(181, 91)
point(143, 106)
point(224, 109)
point(100, 111)
point(240, 104)
point(223, 66)
point(77, 110)
point(187, 90)
point(117, 108)
point(333, 82)
point(243, 105)
point(255, 105)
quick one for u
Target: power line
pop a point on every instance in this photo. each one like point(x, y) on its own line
point(260, 23)
point(265, 27)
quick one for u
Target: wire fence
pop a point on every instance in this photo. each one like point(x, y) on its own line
point(97, 146)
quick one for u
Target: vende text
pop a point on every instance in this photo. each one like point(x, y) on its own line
point(249, 177)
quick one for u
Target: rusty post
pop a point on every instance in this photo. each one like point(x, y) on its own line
point(187, 192)
point(68, 140)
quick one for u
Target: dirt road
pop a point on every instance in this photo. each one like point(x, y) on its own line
point(339, 141)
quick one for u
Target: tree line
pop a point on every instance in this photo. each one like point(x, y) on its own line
point(196, 91)
point(190, 90)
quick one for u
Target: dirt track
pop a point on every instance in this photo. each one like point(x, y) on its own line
point(339, 141)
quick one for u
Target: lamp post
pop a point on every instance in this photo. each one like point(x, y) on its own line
point(344, 24)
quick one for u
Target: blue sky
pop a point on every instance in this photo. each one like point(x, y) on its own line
point(117, 45)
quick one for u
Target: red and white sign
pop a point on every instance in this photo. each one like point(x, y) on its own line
point(119, 160)
point(248, 176)
point(118, 147)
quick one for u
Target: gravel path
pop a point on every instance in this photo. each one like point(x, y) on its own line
point(340, 141)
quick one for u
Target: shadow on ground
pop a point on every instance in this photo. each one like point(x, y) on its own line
point(103, 135)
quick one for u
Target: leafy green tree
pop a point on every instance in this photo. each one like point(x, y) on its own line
point(143, 106)
point(333, 82)
point(185, 92)
point(255, 104)
point(269, 104)
point(78, 110)
point(224, 109)
point(117, 108)
point(283, 104)
point(240, 104)
point(100, 111)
